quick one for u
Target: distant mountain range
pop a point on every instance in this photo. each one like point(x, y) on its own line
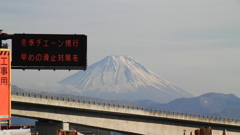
point(213, 104)
point(123, 78)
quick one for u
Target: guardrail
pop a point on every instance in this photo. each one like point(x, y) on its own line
point(72, 98)
point(111, 103)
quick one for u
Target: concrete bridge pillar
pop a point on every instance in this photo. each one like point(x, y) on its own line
point(65, 126)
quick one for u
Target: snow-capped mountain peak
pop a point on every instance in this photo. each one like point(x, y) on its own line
point(118, 74)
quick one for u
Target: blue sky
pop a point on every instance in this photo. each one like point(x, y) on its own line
point(192, 44)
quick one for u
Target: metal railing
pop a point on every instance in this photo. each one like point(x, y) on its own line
point(104, 102)
point(73, 98)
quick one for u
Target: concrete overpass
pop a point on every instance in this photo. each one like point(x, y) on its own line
point(132, 120)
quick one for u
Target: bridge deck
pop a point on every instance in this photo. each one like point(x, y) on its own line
point(115, 117)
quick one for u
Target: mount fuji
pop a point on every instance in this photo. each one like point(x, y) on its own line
point(123, 78)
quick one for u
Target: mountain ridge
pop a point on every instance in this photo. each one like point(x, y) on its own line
point(212, 104)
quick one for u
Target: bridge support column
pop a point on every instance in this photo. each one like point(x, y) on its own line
point(49, 127)
point(65, 126)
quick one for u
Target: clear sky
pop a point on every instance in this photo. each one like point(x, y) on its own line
point(192, 44)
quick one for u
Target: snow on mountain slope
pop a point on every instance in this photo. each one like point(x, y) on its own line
point(123, 78)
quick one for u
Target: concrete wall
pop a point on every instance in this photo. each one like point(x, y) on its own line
point(89, 130)
point(50, 128)
point(119, 119)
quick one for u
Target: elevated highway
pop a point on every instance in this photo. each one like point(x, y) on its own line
point(129, 119)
